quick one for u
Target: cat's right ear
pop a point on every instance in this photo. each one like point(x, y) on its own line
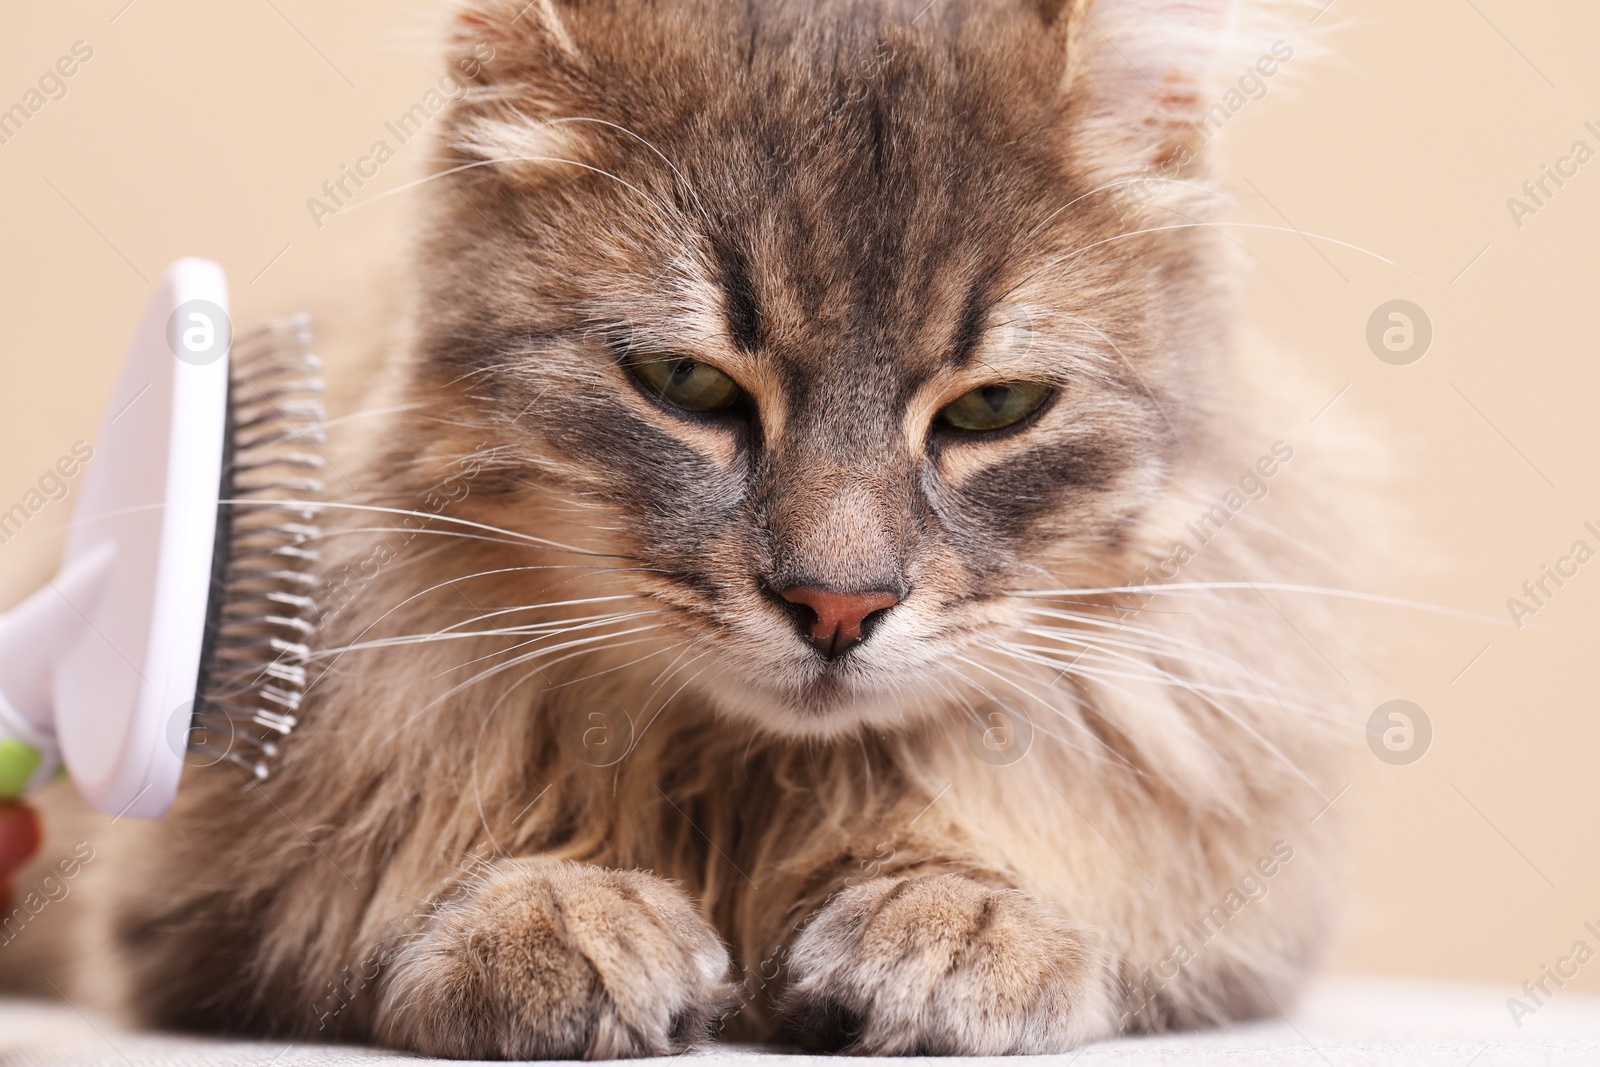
point(499, 41)
point(520, 72)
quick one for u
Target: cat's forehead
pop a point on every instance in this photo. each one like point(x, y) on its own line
point(871, 233)
point(823, 203)
point(825, 323)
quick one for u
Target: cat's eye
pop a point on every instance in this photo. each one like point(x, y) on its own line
point(686, 383)
point(995, 407)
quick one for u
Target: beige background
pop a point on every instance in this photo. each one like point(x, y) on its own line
point(202, 128)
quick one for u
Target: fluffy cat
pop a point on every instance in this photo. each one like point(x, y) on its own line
point(726, 635)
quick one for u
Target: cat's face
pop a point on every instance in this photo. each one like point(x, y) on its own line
point(834, 319)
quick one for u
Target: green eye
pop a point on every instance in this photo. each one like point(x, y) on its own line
point(994, 407)
point(686, 383)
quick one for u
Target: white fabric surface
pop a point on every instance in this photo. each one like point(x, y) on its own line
point(1341, 1021)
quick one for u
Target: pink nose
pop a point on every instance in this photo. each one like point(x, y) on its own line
point(832, 621)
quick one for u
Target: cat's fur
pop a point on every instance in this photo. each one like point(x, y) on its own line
point(859, 209)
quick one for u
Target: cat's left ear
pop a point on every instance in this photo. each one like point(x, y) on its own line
point(1141, 76)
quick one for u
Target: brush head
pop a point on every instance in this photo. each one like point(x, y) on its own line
point(261, 613)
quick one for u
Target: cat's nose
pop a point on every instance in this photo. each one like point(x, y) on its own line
point(834, 621)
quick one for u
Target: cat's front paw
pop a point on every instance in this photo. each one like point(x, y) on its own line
point(555, 960)
point(942, 965)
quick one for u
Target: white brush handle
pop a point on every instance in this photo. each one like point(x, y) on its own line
point(31, 639)
point(98, 670)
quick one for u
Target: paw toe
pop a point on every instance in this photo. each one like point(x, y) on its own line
point(559, 960)
point(940, 965)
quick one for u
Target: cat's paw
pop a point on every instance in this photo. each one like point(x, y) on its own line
point(942, 965)
point(555, 960)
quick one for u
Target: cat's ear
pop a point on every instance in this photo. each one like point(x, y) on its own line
point(521, 71)
point(1140, 77)
point(496, 41)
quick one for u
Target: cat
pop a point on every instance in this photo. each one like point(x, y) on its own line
point(738, 618)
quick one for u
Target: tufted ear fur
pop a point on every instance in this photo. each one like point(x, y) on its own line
point(1146, 82)
point(518, 32)
point(522, 67)
point(1143, 76)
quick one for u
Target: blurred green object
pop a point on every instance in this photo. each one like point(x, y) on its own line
point(18, 762)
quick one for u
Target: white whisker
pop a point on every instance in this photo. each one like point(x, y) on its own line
point(1213, 225)
point(577, 642)
point(409, 186)
point(1054, 710)
point(541, 542)
point(1149, 672)
point(1100, 674)
point(562, 626)
point(1180, 588)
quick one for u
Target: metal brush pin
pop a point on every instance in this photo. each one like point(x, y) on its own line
point(255, 674)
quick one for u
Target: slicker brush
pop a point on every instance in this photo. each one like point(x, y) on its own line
point(178, 629)
point(253, 676)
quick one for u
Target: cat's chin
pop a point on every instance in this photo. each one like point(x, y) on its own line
point(826, 705)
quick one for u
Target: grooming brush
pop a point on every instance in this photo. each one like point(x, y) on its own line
point(176, 630)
